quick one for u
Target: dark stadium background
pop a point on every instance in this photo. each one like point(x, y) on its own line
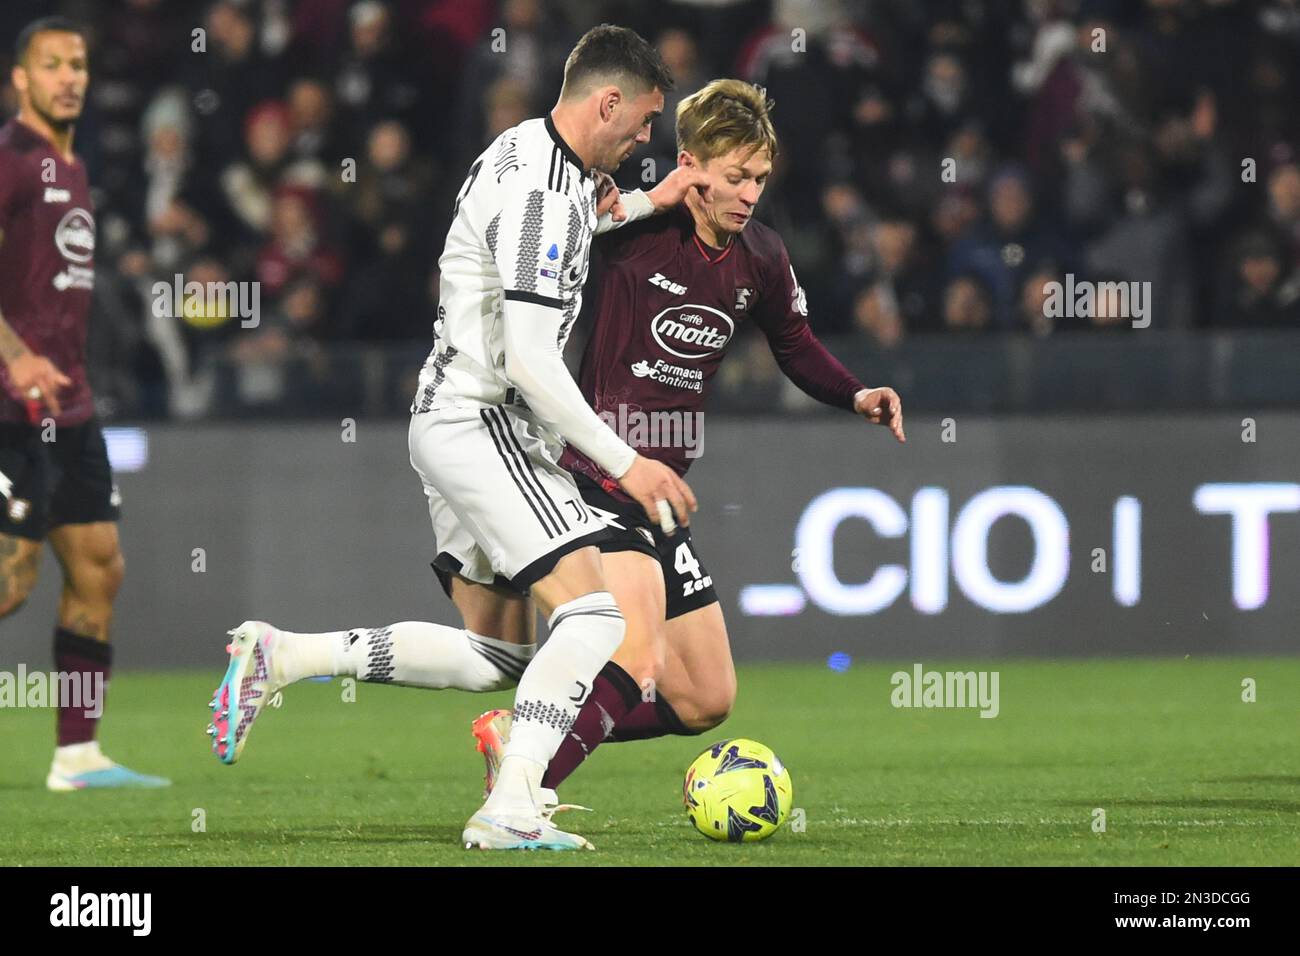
point(1169, 158)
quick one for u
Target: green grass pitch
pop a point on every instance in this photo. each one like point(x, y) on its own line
point(1186, 772)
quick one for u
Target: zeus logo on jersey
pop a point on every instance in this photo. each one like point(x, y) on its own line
point(692, 331)
point(57, 195)
point(668, 285)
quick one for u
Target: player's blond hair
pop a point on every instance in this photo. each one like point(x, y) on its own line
point(724, 115)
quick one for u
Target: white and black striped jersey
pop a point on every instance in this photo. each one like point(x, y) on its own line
point(514, 265)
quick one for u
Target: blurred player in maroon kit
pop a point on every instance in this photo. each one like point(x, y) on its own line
point(674, 291)
point(55, 480)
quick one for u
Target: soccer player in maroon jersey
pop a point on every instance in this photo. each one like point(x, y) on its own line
point(55, 480)
point(673, 293)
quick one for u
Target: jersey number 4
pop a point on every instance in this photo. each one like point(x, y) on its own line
point(684, 563)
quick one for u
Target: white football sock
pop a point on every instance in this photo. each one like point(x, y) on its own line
point(585, 633)
point(411, 653)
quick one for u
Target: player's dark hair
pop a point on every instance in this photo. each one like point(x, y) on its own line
point(43, 25)
point(615, 53)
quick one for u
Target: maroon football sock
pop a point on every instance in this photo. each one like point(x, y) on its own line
point(650, 718)
point(613, 694)
point(90, 661)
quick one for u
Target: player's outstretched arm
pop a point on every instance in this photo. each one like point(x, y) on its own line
point(782, 314)
point(810, 365)
point(28, 371)
point(674, 187)
point(533, 325)
point(536, 366)
point(881, 406)
point(660, 492)
point(616, 208)
point(536, 246)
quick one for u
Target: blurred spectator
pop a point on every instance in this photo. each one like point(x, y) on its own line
point(250, 184)
point(954, 215)
point(1010, 243)
point(967, 305)
point(876, 313)
point(188, 340)
point(1092, 138)
point(311, 116)
point(284, 351)
point(681, 54)
point(224, 82)
point(941, 104)
point(1263, 289)
point(1283, 215)
point(385, 300)
point(296, 247)
point(377, 77)
point(1112, 310)
point(506, 103)
point(718, 24)
point(392, 185)
point(529, 53)
point(813, 81)
point(1144, 234)
point(177, 231)
point(1034, 317)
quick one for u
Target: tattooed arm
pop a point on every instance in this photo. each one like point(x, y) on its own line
point(27, 370)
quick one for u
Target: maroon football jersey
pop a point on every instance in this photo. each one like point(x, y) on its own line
point(667, 308)
point(47, 264)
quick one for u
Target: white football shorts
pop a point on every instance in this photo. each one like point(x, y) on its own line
point(503, 511)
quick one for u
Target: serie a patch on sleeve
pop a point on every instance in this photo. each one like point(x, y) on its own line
point(548, 268)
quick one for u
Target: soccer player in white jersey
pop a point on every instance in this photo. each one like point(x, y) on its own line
point(493, 405)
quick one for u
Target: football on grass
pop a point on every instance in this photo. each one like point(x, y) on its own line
point(738, 790)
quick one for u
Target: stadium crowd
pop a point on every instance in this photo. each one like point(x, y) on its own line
point(940, 161)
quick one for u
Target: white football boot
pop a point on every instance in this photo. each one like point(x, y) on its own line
point(491, 732)
point(518, 830)
point(84, 767)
